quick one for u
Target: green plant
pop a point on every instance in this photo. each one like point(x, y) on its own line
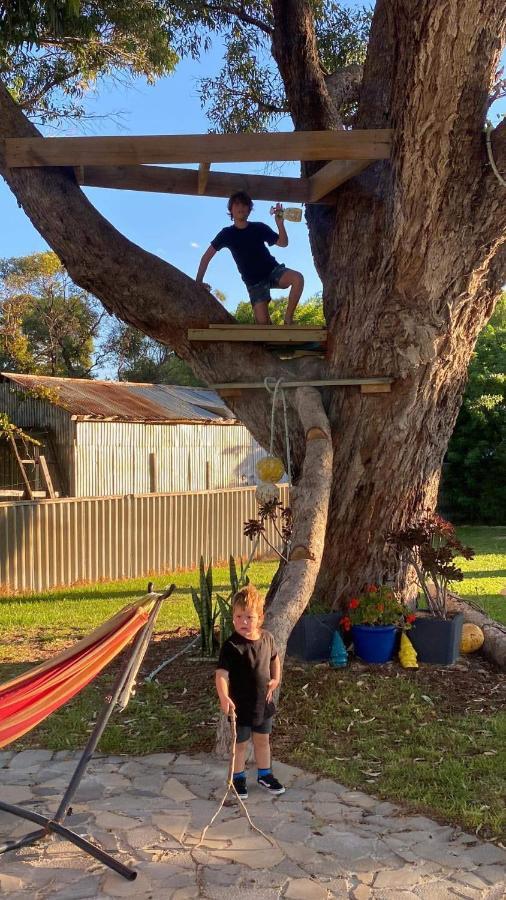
point(208, 612)
point(203, 604)
point(430, 546)
point(376, 605)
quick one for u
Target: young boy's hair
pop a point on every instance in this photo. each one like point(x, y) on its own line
point(248, 598)
point(239, 197)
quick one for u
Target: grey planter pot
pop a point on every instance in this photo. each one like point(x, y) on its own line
point(437, 641)
point(311, 637)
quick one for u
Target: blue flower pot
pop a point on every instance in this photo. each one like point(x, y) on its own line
point(374, 643)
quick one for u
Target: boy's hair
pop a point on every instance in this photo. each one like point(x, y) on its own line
point(239, 197)
point(248, 598)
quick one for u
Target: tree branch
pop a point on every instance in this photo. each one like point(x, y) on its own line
point(241, 14)
point(136, 286)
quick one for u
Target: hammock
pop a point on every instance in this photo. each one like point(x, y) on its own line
point(29, 699)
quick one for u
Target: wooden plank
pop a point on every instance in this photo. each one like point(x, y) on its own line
point(275, 335)
point(19, 461)
point(252, 326)
point(375, 388)
point(185, 181)
point(333, 174)
point(373, 382)
point(203, 175)
point(197, 148)
point(46, 476)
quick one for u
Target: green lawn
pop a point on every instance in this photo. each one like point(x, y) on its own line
point(432, 739)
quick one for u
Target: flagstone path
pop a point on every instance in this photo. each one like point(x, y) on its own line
point(326, 840)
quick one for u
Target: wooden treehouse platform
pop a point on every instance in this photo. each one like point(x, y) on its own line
point(371, 385)
point(263, 334)
point(133, 162)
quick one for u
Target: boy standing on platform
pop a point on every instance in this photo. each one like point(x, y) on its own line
point(258, 269)
point(248, 673)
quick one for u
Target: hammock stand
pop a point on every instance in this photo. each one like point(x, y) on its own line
point(119, 696)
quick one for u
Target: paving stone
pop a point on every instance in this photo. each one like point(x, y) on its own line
point(472, 879)
point(493, 874)
point(175, 825)
point(216, 892)
point(398, 878)
point(143, 837)
point(5, 757)
point(357, 798)
point(249, 854)
point(336, 812)
point(436, 890)
point(15, 794)
point(487, 853)
point(185, 893)
point(160, 759)
point(463, 890)
point(10, 883)
point(177, 791)
point(115, 886)
point(305, 889)
point(287, 774)
point(114, 822)
point(85, 889)
point(361, 892)
point(28, 759)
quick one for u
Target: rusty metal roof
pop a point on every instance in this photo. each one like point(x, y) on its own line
point(125, 401)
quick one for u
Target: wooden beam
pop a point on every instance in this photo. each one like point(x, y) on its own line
point(46, 477)
point(379, 388)
point(203, 175)
point(263, 334)
point(333, 174)
point(28, 487)
point(373, 383)
point(197, 148)
point(185, 181)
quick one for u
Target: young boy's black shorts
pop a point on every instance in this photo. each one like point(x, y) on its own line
point(261, 292)
point(244, 731)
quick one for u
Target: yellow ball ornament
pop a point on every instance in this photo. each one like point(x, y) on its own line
point(270, 468)
point(266, 492)
point(472, 638)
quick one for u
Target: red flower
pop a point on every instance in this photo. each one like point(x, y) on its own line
point(380, 607)
point(354, 603)
point(411, 618)
point(346, 623)
point(372, 589)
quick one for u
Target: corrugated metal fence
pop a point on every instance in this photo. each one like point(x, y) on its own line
point(59, 542)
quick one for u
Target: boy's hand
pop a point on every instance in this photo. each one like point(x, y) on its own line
point(227, 705)
point(278, 211)
point(271, 687)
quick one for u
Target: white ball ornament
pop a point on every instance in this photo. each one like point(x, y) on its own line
point(266, 492)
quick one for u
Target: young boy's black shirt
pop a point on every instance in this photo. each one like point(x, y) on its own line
point(248, 664)
point(247, 246)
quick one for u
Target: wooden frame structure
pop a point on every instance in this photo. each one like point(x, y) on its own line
point(372, 385)
point(133, 163)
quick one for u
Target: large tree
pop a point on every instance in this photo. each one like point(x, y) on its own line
point(412, 258)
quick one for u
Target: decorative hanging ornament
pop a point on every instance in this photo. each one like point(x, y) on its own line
point(407, 653)
point(266, 492)
point(338, 653)
point(270, 468)
point(472, 638)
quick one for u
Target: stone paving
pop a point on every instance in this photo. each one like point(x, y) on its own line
point(326, 840)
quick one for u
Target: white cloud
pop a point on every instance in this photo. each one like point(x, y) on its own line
point(193, 244)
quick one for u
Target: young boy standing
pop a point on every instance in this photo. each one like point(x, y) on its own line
point(258, 269)
point(248, 673)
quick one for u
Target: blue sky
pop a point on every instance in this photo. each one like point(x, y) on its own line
point(177, 228)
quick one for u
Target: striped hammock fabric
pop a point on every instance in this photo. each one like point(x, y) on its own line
point(29, 699)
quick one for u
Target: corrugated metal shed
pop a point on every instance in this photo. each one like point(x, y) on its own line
point(124, 401)
point(114, 438)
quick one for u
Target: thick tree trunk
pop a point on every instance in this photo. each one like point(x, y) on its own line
point(411, 258)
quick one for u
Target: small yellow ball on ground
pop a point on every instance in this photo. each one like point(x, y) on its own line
point(472, 638)
point(270, 468)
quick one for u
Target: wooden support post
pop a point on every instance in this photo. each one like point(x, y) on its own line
point(19, 461)
point(46, 477)
point(332, 175)
point(203, 176)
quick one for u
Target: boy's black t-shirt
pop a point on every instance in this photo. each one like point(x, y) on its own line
point(247, 246)
point(248, 664)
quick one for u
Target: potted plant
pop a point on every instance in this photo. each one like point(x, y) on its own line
point(430, 546)
point(374, 618)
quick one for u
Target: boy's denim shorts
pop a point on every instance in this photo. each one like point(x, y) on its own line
point(261, 292)
point(244, 731)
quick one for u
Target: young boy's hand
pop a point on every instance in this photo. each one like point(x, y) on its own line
point(271, 687)
point(227, 706)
